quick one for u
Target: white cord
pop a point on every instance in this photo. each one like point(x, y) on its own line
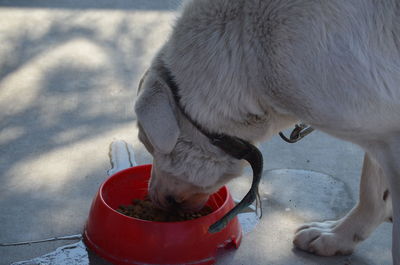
point(73, 237)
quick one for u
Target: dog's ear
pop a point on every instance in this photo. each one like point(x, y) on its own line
point(155, 114)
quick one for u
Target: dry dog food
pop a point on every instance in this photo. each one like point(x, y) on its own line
point(145, 210)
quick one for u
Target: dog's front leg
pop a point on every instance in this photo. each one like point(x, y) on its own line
point(388, 155)
point(340, 237)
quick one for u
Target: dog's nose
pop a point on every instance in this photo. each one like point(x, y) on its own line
point(171, 200)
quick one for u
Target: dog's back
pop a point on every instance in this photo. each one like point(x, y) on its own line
point(334, 64)
point(343, 61)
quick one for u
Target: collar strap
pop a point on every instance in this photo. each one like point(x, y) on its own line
point(299, 132)
point(233, 146)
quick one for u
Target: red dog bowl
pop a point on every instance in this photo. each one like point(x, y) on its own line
point(127, 240)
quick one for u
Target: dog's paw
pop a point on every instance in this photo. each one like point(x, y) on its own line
point(322, 239)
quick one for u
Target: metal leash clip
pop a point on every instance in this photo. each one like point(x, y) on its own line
point(299, 132)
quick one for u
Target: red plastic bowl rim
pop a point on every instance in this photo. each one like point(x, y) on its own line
point(146, 221)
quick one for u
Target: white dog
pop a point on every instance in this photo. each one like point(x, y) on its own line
point(251, 68)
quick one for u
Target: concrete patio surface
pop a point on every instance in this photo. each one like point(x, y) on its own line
point(68, 77)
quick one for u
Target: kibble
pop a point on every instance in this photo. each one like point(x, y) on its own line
point(145, 210)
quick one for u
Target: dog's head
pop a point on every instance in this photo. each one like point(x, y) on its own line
point(187, 168)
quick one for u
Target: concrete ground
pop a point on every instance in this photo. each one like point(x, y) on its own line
point(68, 77)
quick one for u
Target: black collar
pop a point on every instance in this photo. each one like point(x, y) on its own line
point(234, 146)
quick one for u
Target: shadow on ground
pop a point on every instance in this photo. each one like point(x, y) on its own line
point(68, 83)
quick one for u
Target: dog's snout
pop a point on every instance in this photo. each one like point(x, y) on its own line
point(171, 200)
point(170, 194)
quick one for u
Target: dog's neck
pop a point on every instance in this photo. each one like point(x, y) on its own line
point(219, 84)
point(238, 113)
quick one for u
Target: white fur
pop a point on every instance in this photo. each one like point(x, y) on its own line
point(250, 68)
